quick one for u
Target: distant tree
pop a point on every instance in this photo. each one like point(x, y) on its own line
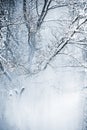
point(33, 17)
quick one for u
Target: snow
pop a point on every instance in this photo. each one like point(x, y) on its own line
point(52, 99)
point(44, 106)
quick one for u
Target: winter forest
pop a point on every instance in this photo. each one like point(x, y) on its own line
point(43, 64)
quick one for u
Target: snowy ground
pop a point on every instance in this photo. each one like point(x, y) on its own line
point(46, 106)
